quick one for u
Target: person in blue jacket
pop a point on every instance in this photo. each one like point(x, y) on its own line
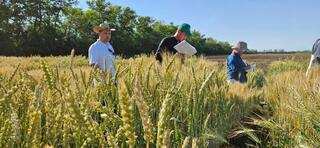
point(236, 67)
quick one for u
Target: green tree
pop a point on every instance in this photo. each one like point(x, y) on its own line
point(123, 39)
point(6, 39)
point(197, 40)
point(213, 46)
point(146, 37)
point(53, 27)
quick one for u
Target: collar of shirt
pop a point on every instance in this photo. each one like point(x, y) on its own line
point(104, 43)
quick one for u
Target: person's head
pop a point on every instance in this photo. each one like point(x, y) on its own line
point(240, 47)
point(183, 32)
point(104, 32)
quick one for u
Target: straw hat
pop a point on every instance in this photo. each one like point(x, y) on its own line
point(103, 26)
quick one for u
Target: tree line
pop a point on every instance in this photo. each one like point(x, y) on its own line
point(54, 27)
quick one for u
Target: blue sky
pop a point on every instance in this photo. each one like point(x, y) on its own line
point(264, 24)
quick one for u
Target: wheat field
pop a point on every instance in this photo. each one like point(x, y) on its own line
point(62, 102)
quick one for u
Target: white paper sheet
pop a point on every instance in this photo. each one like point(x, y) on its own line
point(185, 48)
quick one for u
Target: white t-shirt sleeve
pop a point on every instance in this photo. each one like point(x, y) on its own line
point(93, 55)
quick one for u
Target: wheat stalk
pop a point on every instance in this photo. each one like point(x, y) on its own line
point(144, 113)
point(126, 113)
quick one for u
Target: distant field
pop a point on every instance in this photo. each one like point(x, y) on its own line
point(265, 59)
point(259, 59)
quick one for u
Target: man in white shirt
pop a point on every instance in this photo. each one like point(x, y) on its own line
point(101, 52)
point(315, 56)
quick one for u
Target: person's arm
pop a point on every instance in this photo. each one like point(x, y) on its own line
point(93, 58)
point(160, 49)
point(243, 67)
point(231, 67)
point(239, 65)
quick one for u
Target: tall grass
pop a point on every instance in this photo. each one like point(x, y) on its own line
point(50, 103)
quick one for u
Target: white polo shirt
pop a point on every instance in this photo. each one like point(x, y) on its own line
point(102, 55)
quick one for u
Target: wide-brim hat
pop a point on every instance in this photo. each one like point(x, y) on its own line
point(241, 46)
point(101, 27)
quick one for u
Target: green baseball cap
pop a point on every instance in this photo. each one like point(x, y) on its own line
point(185, 28)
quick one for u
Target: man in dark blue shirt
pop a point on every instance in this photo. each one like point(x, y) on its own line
point(236, 67)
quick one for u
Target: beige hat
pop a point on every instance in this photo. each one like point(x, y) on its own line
point(240, 46)
point(101, 27)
